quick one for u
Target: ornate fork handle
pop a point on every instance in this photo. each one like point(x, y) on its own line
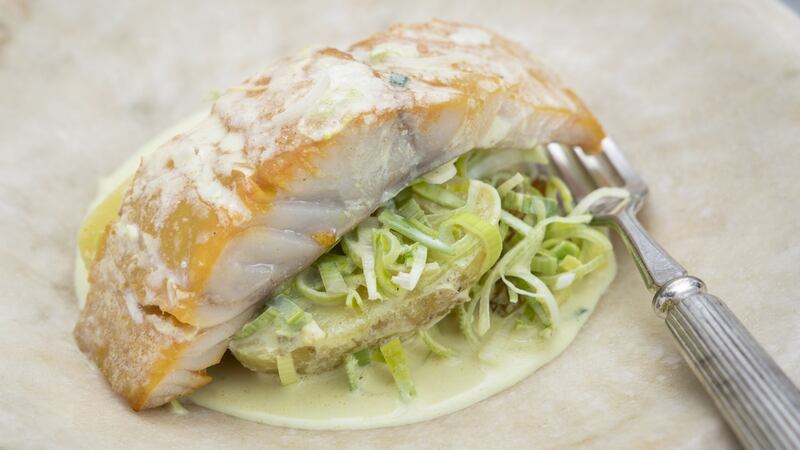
point(757, 399)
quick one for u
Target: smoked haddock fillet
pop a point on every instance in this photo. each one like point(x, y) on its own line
point(284, 165)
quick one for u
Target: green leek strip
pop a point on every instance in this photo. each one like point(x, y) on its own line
point(344, 264)
point(542, 207)
point(354, 300)
point(565, 248)
point(332, 278)
point(353, 371)
point(442, 174)
point(536, 307)
point(576, 273)
point(542, 293)
point(377, 356)
point(305, 289)
point(484, 163)
point(291, 313)
point(286, 371)
point(382, 243)
point(510, 184)
point(395, 358)
point(584, 233)
point(483, 201)
point(516, 263)
point(250, 328)
point(394, 248)
point(435, 347)
point(407, 229)
point(438, 194)
point(487, 234)
point(177, 408)
point(586, 203)
point(411, 210)
point(371, 280)
point(362, 356)
point(569, 263)
point(464, 319)
point(408, 280)
point(588, 251)
point(557, 187)
point(544, 264)
point(518, 225)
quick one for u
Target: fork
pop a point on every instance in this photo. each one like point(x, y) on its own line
point(758, 401)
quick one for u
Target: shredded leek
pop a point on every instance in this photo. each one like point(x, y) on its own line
point(438, 194)
point(408, 280)
point(413, 231)
point(177, 408)
point(435, 347)
point(362, 356)
point(395, 359)
point(286, 371)
point(353, 370)
point(504, 208)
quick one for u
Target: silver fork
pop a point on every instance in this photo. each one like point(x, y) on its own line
point(756, 398)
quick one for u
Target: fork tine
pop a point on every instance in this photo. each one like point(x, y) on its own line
point(599, 168)
point(570, 170)
point(620, 164)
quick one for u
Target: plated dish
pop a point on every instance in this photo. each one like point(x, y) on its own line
point(375, 235)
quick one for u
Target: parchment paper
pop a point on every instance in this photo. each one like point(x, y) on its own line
point(703, 96)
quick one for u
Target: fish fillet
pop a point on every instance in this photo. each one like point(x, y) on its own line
point(285, 163)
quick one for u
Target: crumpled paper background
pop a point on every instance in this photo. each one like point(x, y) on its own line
point(704, 97)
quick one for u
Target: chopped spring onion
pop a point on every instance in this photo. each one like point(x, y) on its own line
point(435, 347)
point(437, 194)
point(286, 371)
point(395, 358)
point(398, 79)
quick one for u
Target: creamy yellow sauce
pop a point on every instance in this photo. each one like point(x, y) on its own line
point(444, 385)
